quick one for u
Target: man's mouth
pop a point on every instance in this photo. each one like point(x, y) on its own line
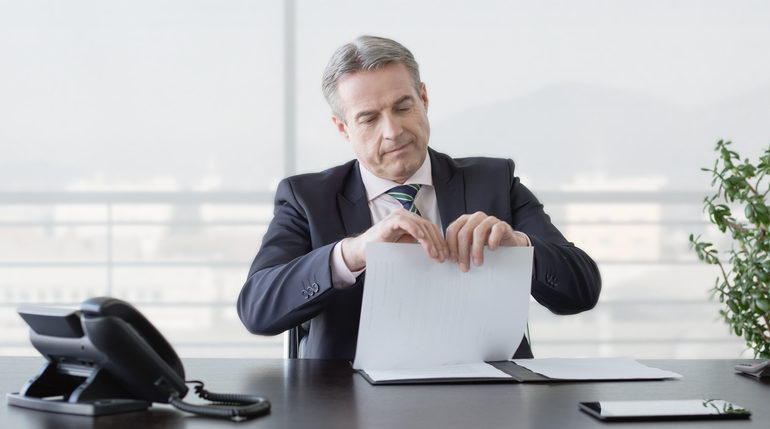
point(398, 148)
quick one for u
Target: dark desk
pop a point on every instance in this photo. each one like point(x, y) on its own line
point(318, 394)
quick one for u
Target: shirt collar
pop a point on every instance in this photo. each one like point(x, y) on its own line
point(376, 186)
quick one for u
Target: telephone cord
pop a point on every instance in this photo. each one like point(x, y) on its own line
point(235, 407)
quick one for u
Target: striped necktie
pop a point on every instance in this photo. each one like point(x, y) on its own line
point(405, 195)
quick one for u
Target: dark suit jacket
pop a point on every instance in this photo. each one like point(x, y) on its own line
point(290, 278)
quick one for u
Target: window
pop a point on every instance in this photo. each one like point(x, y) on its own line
point(142, 143)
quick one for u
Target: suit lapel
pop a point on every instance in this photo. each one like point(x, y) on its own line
point(353, 204)
point(450, 188)
point(448, 181)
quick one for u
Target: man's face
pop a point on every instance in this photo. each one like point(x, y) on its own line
point(385, 119)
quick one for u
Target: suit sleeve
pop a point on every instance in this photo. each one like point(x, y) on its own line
point(289, 281)
point(565, 279)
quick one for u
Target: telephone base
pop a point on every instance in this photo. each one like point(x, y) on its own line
point(95, 408)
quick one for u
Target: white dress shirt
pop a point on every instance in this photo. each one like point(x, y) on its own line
point(381, 205)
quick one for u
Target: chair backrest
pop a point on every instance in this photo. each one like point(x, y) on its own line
point(297, 338)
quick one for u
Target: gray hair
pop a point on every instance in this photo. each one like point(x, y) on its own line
point(366, 53)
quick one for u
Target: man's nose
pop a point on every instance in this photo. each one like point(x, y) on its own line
point(391, 126)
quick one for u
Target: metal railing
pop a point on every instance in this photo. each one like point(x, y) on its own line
point(112, 201)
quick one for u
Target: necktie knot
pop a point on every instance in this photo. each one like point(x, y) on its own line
point(405, 195)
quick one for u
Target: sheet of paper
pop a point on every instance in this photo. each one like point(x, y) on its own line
point(594, 369)
point(418, 313)
point(469, 370)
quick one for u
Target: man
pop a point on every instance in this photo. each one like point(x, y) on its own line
point(313, 256)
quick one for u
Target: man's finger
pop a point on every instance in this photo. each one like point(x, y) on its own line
point(443, 248)
point(416, 228)
point(499, 230)
point(464, 243)
point(428, 235)
point(451, 236)
point(480, 237)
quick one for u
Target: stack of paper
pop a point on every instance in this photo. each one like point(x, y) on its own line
point(423, 319)
point(594, 369)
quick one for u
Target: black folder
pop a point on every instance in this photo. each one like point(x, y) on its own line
point(518, 374)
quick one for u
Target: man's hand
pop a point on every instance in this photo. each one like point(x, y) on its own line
point(400, 226)
point(467, 236)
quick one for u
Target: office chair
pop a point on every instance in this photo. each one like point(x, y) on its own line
point(297, 339)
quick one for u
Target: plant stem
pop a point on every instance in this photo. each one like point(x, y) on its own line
point(737, 226)
point(724, 274)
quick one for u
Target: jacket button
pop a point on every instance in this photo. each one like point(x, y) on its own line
point(316, 288)
point(305, 294)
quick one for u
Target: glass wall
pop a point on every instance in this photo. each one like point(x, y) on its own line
point(141, 145)
point(142, 141)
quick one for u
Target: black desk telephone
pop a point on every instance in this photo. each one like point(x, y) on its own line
point(108, 358)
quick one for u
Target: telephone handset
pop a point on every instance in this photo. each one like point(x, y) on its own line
point(107, 358)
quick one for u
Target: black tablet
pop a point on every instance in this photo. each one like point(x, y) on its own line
point(681, 409)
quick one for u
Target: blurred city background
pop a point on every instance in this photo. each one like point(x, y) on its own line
point(141, 143)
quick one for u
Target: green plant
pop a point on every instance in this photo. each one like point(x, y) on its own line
point(745, 275)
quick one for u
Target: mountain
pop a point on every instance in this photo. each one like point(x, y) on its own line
point(608, 133)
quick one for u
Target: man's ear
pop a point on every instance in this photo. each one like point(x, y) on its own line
point(424, 95)
point(342, 128)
